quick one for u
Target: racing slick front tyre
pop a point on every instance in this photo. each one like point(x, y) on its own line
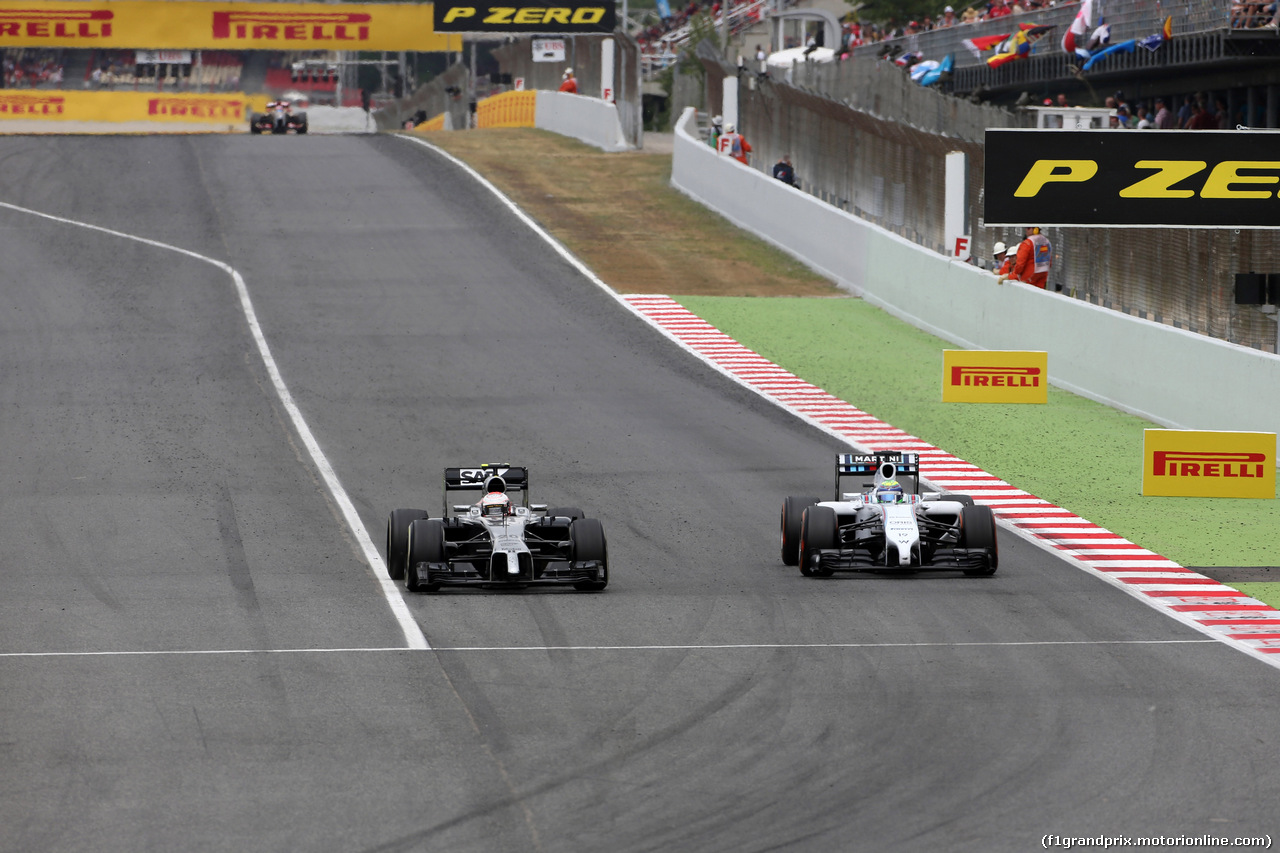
point(978, 524)
point(967, 500)
point(586, 537)
point(426, 545)
point(819, 529)
point(398, 539)
point(792, 510)
point(572, 513)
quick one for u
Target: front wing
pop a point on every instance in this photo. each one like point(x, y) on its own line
point(471, 560)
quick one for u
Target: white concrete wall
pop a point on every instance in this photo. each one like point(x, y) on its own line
point(1175, 378)
point(590, 120)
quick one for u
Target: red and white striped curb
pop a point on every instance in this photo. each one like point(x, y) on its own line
point(1213, 607)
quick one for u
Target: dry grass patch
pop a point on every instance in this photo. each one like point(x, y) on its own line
point(619, 214)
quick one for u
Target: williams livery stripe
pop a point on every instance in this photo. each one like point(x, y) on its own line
point(1214, 608)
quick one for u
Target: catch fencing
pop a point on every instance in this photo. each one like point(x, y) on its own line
point(891, 173)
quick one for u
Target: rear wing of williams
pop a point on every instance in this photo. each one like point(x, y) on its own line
point(476, 479)
point(879, 467)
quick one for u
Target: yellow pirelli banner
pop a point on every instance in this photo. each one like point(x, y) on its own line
point(70, 105)
point(1196, 464)
point(510, 109)
point(994, 376)
point(177, 24)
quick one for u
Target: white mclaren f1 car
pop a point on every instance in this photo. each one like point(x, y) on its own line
point(496, 542)
point(887, 527)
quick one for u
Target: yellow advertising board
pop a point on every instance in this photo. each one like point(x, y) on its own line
point(1196, 464)
point(994, 376)
point(179, 24)
point(70, 105)
point(510, 109)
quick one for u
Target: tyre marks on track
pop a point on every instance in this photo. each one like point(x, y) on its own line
point(1212, 607)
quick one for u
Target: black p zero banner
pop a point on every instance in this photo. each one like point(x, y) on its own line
point(1133, 178)
point(525, 16)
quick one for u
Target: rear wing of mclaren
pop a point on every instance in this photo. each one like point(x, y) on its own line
point(515, 478)
point(872, 469)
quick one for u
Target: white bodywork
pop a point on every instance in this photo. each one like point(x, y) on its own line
point(901, 528)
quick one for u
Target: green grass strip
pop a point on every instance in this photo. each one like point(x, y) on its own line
point(1075, 453)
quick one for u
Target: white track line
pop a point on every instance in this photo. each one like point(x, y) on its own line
point(1143, 574)
point(700, 647)
point(412, 633)
point(865, 434)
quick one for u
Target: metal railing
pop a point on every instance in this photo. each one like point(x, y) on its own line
point(1129, 19)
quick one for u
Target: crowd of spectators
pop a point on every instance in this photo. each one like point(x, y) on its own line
point(31, 69)
point(1200, 111)
point(1246, 15)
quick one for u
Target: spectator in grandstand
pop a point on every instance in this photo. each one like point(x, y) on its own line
point(969, 15)
point(734, 144)
point(1245, 15)
point(570, 83)
point(1164, 116)
point(998, 9)
point(1033, 260)
point(784, 171)
point(948, 18)
point(1143, 119)
point(1201, 118)
point(1224, 119)
point(1186, 111)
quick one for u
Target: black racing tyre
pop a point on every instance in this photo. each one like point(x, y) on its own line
point(793, 507)
point(587, 542)
point(572, 513)
point(964, 499)
point(398, 539)
point(253, 128)
point(302, 128)
point(978, 530)
point(426, 545)
point(819, 529)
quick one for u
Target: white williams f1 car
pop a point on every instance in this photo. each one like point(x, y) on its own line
point(887, 528)
point(495, 542)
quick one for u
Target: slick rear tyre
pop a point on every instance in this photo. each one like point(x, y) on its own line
point(964, 499)
point(793, 508)
point(819, 529)
point(572, 513)
point(978, 524)
point(426, 545)
point(398, 539)
point(587, 542)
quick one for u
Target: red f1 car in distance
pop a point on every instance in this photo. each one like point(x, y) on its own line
point(279, 118)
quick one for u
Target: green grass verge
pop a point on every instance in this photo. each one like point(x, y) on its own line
point(1073, 452)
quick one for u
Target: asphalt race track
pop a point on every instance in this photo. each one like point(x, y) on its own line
point(195, 653)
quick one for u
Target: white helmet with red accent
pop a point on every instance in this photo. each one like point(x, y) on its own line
point(496, 505)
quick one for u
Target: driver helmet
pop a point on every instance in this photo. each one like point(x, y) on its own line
point(888, 492)
point(496, 505)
